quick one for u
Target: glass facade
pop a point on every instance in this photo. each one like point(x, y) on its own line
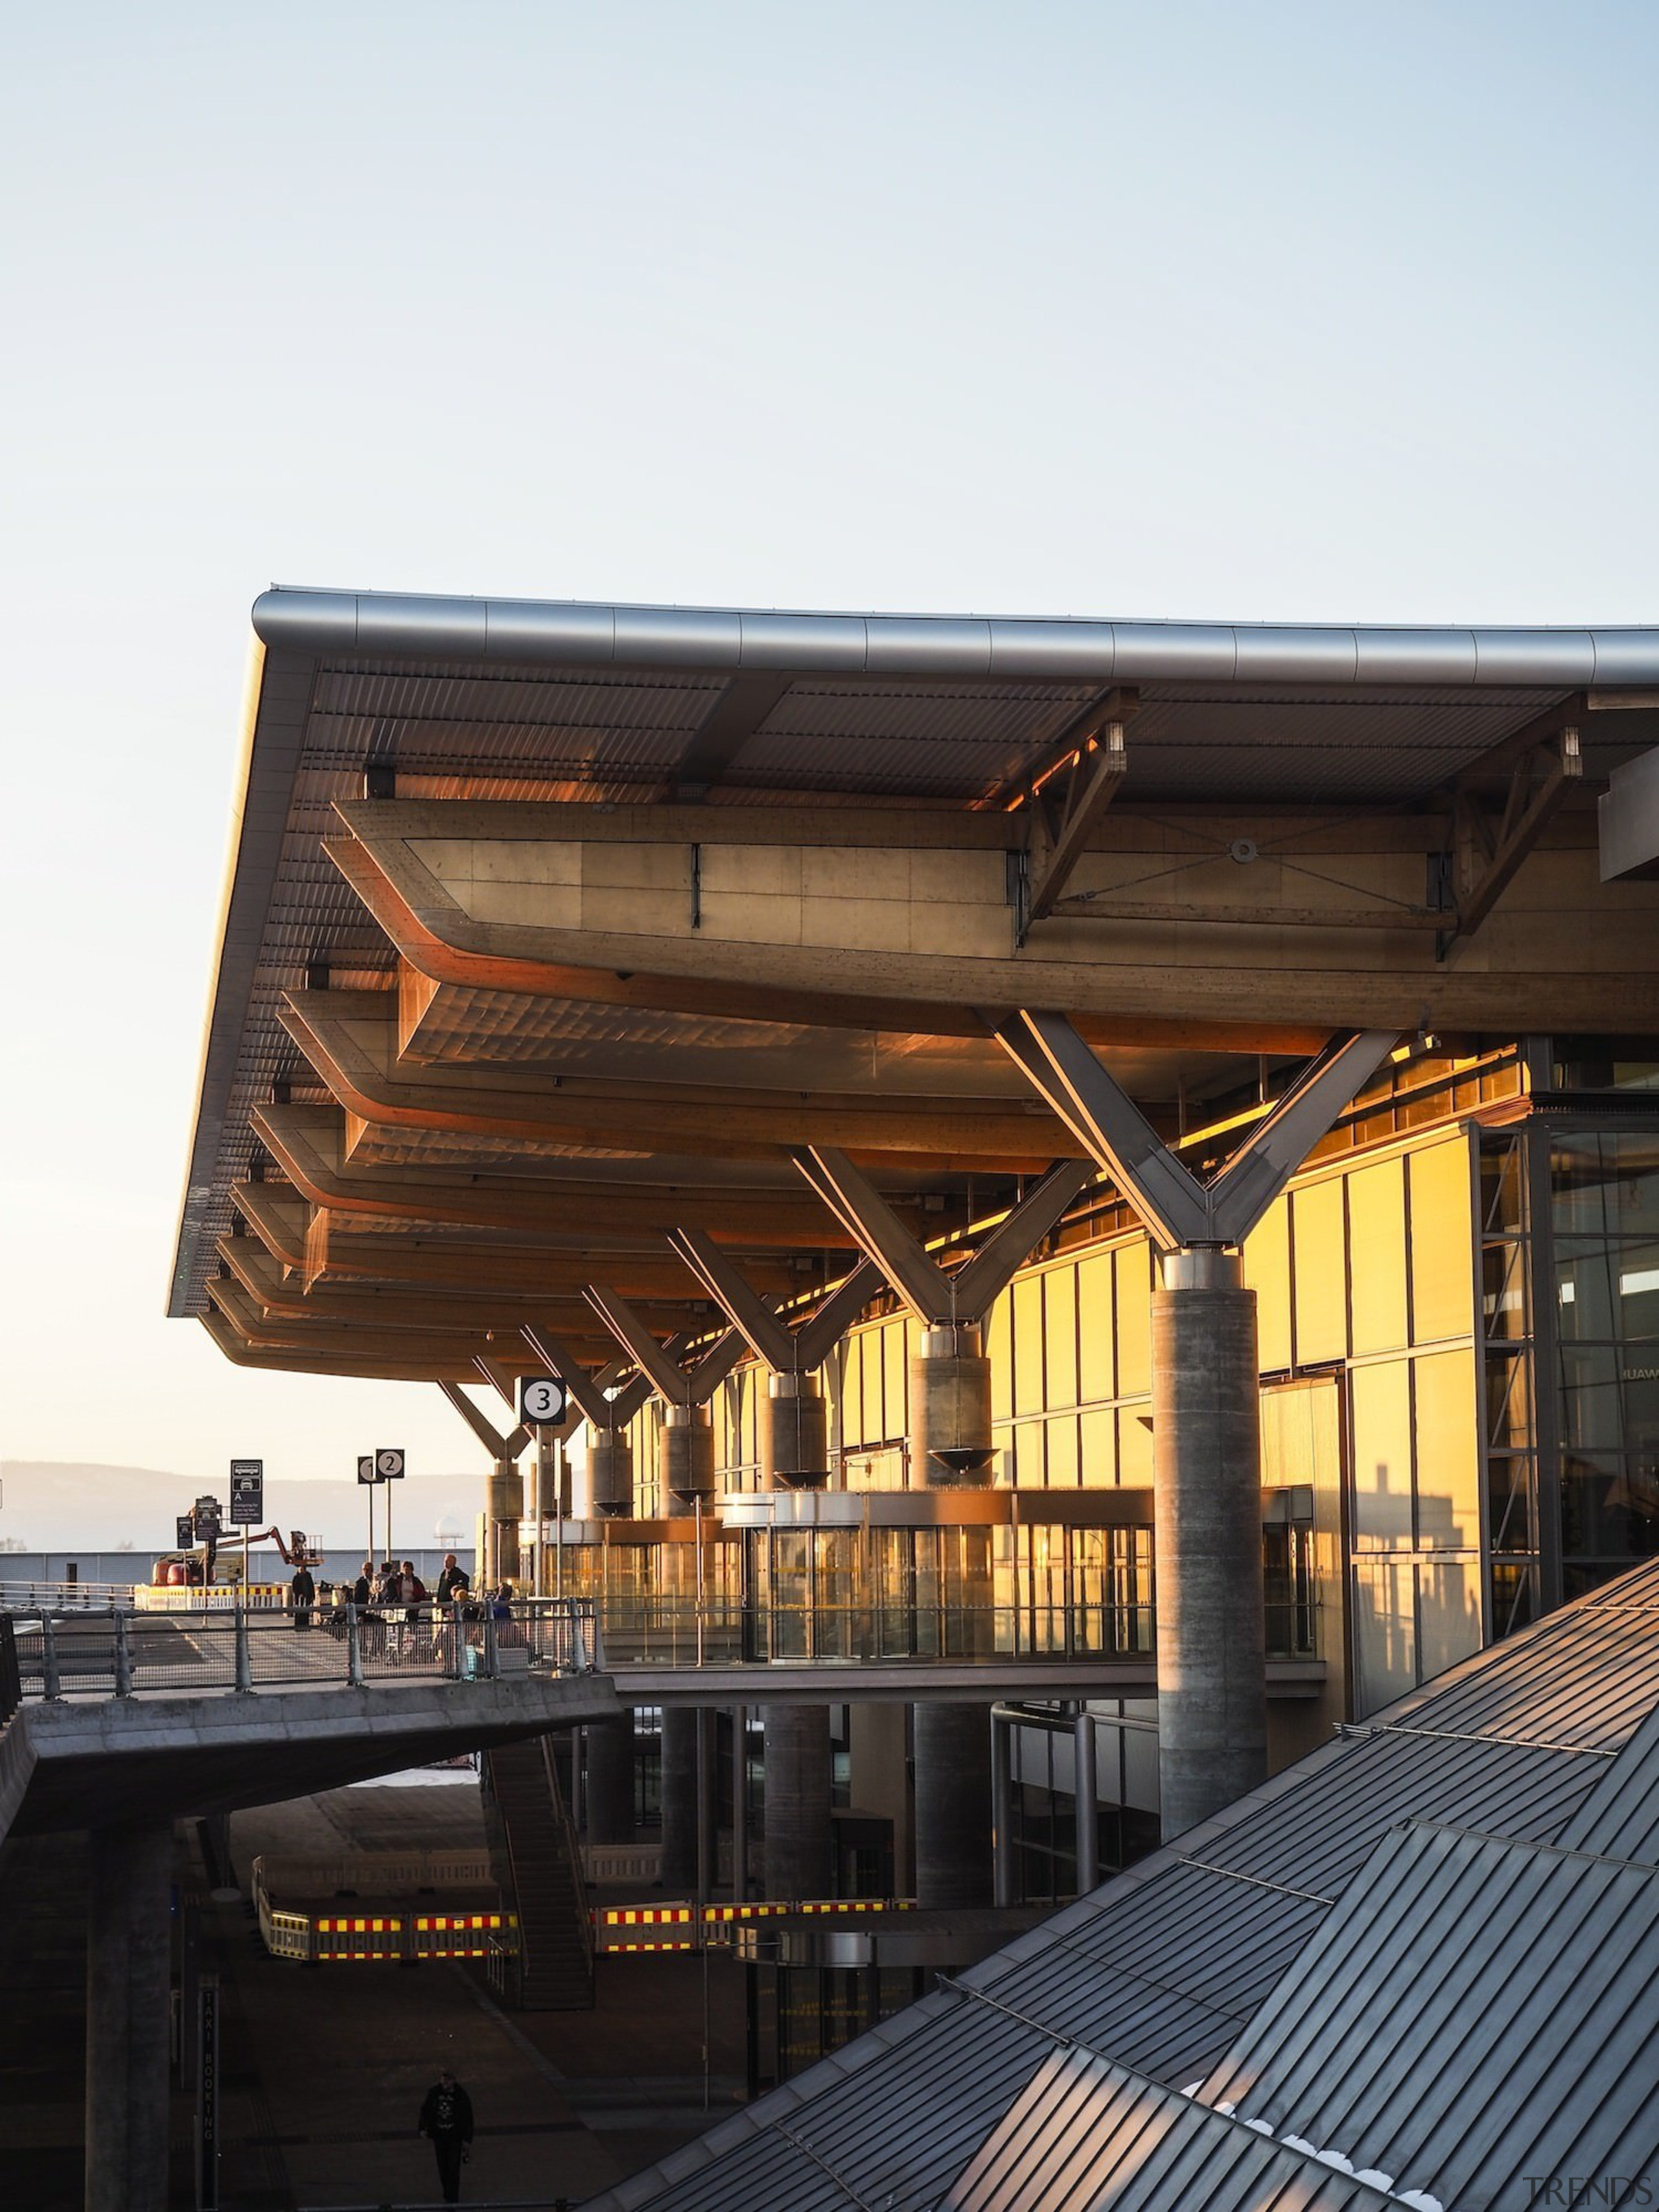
point(1458, 1326)
point(1508, 1367)
point(1604, 1221)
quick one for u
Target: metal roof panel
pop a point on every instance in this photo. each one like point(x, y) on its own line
point(1475, 2012)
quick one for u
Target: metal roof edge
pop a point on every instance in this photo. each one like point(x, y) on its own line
point(963, 647)
point(277, 698)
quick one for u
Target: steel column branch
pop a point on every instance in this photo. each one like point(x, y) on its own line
point(674, 1384)
point(938, 1299)
point(774, 1343)
point(499, 1446)
point(588, 1389)
point(1177, 1206)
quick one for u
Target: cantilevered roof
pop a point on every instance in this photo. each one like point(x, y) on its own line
point(550, 926)
point(1389, 1974)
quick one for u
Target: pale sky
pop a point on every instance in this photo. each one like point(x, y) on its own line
point(1267, 311)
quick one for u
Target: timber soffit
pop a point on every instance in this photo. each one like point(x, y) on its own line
point(279, 900)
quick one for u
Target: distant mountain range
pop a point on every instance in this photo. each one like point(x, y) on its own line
point(53, 1505)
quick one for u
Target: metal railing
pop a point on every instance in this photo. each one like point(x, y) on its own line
point(120, 1652)
point(63, 1597)
point(722, 1630)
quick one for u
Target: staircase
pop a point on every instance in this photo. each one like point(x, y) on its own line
point(539, 1866)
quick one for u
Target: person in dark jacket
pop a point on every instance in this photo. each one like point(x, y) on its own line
point(301, 1595)
point(446, 2119)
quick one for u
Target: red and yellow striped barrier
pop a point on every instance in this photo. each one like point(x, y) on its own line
point(680, 1928)
point(371, 1937)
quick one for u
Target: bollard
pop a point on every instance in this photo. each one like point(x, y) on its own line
point(123, 1656)
point(51, 1686)
point(354, 1649)
point(244, 1657)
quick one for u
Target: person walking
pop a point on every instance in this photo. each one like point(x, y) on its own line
point(301, 1595)
point(446, 2119)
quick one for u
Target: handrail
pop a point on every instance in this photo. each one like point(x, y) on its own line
point(121, 1650)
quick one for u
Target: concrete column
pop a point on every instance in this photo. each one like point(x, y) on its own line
point(688, 1453)
point(795, 1433)
point(798, 1861)
point(951, 1409)
point(541, 1480)
point(678, 1791)
point(611, 1779)
point(708, 1819)
point(739, 1804)
point(877, 1742)
point(1206, 1474)
point(610, 1472)
point(128, 1942)
point(505, 1504)
point(954, 1817)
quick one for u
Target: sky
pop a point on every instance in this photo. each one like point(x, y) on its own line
point(1293, 312)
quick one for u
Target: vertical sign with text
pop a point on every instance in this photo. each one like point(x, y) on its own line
point(247, 1493)
point(206, 2096)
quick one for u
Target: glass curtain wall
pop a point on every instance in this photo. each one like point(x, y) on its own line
point(1604, 1208)
point(1508, 1369)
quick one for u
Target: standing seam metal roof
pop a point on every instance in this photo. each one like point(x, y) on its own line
point(1086, 2134)
point(1460, 2021)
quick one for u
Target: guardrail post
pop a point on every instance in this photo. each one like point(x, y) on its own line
point(491, 1643)
point(456, 1639)
point(244, 1657)
point(50, 1685)
point(123, 1655)
point(354, 1648)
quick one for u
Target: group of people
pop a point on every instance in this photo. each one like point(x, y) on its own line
point(391, 1595)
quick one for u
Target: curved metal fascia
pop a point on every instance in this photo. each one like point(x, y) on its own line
point(963, 647)
point(278, 698)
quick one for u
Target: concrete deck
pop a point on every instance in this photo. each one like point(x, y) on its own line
point(71, 1764)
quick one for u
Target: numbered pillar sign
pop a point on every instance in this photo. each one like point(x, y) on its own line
point(388, 1464)
point(365, 1468)
point(541, 1400)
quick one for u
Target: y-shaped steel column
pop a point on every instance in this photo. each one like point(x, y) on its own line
point(950, 1418)
point(1207, 1464)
